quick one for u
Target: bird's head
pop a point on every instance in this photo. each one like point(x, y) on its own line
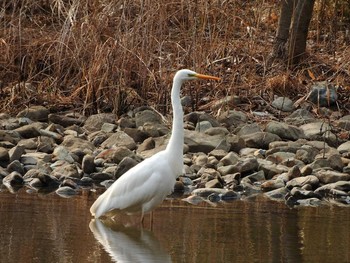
point(186, 74)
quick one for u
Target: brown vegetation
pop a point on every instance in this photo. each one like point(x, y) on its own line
point(109, 55)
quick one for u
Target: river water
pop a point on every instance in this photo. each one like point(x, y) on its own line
point(49, 228)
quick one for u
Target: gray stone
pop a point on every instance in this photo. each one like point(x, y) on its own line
point(119, 139)
point(28, 131)
point(203, 126)
point(115, 155)
point(249, 129)
point(4, 155)
point(340, 185)
point(301, 181)
point(15, 166)
point(35, 113)
point(327, 176)
point(229, 159)
point(205, 192)
point(344, 147)
point(16, 152)
point(260, 139)
point(62, 153)
point(221, 131)
point(66, 191)
point(95, 122)
point(65, 121)
point(88, 165)
point(306, 154)
point(277, 194)
point(272, 184)
point(66, 170)
point(236, 142)
point(284, 131)
point(323, 94)
point(283, 104)
point(201, 142)
point(232, 118)
point(13, 179)
point(108, 127)
point(215, 183)
point(147, 116)
point(72, 143)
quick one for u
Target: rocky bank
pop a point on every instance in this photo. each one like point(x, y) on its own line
point(300, 159)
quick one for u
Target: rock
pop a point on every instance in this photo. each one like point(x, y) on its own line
point(65, 121)
point(46, 144)
point(271, 169)
point(260, 139)
point(108, 127)
point(88, 165)
point(300, 193)
point(66, 170)
point(247, 165)
point(35, 113)
point(309, 202)
point(119, 139)
point(72, 143)
point(227, 169)
point(203, 126)
point(256, 177)
point(340, 185)
point(16, 152)
point(115, 155)
point(194, 199)
point(10, 136)
point(34, 157)
point(95, 122)
point(205, 192)
point(301, 181)
point(279, 157)
point(323, 93)
point(147, 116)
point(319, 131)
point(69, 182)
point(29, 131)
point(66, 192)
point(272, 184)
point(28, 144)
point(232, 118)
point(306, 154)
point(344, 147)
point(201, 142)
point(15, 166)
point(13, 179)
point(218, 153)
point(284, 131)
point(229, 159)
point(221, 131)
point(62, 153)
point(137, 135)
point(215, 183)
point(283, 104)
point(101, 176)
point(299, 117)
point(249, 129)
point(277, 194)
point(4, 155)
point(327, 177)
point(293, 172)
point(236, 142)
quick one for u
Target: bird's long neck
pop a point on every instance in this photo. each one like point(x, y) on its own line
point(175, 145)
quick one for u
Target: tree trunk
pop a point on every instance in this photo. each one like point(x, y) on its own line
point(300, 27)
point(287, 8)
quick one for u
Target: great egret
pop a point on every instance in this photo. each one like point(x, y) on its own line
point(146, 185)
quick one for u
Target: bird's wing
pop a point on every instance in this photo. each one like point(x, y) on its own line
point(152, 177)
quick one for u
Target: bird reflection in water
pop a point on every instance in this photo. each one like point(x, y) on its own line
point(128, 244)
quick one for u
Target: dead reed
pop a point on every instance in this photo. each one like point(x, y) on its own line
point(111, 55)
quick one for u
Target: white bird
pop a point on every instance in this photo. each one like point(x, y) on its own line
point(146, 185)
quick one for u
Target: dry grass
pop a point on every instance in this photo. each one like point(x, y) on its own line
point(110, 55)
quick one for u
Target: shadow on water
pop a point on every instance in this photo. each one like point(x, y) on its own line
point(48, 228)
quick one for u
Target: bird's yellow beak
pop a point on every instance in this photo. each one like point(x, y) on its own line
point(201, 76)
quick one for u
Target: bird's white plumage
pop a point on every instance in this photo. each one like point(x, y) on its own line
point(146, 185)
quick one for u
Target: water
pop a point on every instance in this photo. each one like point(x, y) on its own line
point(48, 228)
